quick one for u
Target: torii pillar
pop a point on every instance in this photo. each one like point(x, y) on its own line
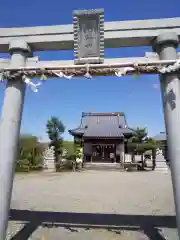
point(10, 129)
point(165, 45)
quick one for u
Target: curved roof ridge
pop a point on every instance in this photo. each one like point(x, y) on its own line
point(85, 114)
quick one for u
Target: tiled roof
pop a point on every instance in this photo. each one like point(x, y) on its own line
point(113, 118)
point(160, 137)
point(77, 131)
point(104, 125)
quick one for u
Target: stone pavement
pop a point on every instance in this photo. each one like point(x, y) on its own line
point(102, 205)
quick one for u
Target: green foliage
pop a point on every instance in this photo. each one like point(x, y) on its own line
point(66, 165)
point(70, 148)
point(141, 134)
point(30, 154)
point(71, 157)
point(143, 147)
point(78, 147)
point(55, 129)
point(140, 143)
point(27, 140)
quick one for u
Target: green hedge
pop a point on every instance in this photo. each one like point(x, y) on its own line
point(30, 157)
point(141, 147)
point(28, 169)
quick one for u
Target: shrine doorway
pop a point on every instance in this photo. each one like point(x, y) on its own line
point(104, 153)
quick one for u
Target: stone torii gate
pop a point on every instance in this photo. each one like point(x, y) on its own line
point(162, 34)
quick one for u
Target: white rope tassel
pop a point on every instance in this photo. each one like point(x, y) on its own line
point(43, 76)
point(61, 75)
point(123, 71)
point(119, 73)
point(32, 85)
point(172, 68)
point(87, 74)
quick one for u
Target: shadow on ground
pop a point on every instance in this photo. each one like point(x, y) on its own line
point(147, 224)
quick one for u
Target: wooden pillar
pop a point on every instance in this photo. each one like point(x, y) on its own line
point(120, 150)
point(123, 150)
point(88, 149)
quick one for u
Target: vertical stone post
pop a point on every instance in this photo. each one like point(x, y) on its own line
point(166, 44)
point(9, 131)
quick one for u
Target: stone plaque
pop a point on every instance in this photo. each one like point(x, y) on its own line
point(88, 36)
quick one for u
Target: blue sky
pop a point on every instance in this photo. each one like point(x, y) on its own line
point(139, 98)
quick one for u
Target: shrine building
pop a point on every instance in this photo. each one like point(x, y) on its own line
point(103, 135)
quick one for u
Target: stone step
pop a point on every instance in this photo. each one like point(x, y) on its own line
point(160, 165)
point(161, 170)
point(102, 166)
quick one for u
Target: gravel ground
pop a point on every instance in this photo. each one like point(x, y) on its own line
point(90, 205)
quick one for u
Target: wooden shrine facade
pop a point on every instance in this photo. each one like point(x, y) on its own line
point(103, 136)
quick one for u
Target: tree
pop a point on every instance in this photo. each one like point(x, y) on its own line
point(141, 142)
point(55, 129)
point(27, 140)
point(70, 148)
point(141, 135)
point(135, 141)
point(30, 153)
